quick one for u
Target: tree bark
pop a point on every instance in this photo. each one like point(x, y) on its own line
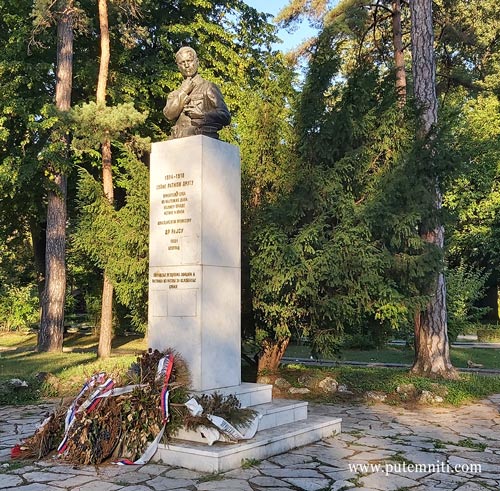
point(106, 331)
point(273, 352)
point(399, 59)
point(431, 333)
point(38, 239)
point(424, 63)
point(105, 53)
point(50, 335)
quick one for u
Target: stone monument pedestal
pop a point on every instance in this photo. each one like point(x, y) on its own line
point(194, 264)
point(194, 300)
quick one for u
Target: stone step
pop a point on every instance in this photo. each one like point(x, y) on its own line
point(281, 412)
point(276, 413)
point(221, 457)
point(249, 394)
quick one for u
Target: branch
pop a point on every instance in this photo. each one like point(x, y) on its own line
point(382, 6)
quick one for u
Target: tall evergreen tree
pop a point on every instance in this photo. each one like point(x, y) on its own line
point(50, 335)
point(25, 75)
point(318, 268)
point(361, 32)
point(468, 82)
point(269, 169)
point(431, 336)
point(106, 330)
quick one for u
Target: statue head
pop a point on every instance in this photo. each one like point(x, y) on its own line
point(197, 106)
point(187, 61)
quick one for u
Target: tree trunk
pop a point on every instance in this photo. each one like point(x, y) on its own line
point(105, 53)
point(399, 59)
point(432, 356)
point(106, 332)
point(431, 333)
point(273, 352)
point(38, 240)
point(50, 335)
point(424, 63)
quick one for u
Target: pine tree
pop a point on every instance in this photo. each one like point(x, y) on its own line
point(50, 335)
point(432, 356)
point(106, 330)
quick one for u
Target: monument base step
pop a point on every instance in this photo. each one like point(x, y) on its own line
point(281, 412)
point(276, 413)
point(221, 457)
point(248, 393)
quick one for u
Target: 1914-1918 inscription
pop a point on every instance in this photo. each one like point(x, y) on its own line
point(173, 198)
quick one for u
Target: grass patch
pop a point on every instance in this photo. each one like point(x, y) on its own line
point(469, 387)
point(469, 443)
point(400, 459)
point(69, 369)
point(249, 463)
point(357, 480)
point(17, 340)
point(72, 342)
point(465, 443)
point(488, 357)
point(439, 444)
point(14, 464)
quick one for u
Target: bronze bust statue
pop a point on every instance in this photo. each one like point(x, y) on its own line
point(197, 105)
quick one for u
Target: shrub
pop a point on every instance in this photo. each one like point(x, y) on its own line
point(19, 307)
point(359, 341)
point(488, 334)
point(465, 285)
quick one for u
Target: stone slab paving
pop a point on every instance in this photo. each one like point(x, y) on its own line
point(381, 448)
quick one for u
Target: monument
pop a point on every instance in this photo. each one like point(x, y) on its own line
point(194, 264)
point(197, 106)
point(195, 276)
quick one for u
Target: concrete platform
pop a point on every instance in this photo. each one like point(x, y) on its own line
point(222, 457)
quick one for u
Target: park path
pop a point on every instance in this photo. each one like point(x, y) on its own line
point(381, 447)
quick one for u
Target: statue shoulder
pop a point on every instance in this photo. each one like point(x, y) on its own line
point(205, 84)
